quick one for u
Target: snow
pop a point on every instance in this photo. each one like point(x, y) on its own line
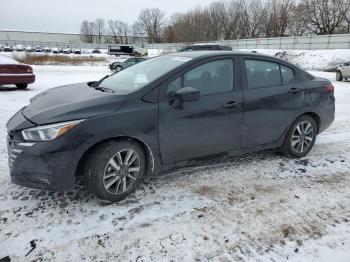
point(5, 60)
point(257, 207)
point(306, 59)
point(311, 59)
point(156, 52)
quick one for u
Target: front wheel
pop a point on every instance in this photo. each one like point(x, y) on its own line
point(339, 76)
point(115, 169)
point(300, 137)
point(118, 68)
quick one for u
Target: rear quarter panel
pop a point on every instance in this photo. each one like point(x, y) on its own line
point(320, 101)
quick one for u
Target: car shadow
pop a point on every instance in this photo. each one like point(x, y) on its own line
point(8, 88)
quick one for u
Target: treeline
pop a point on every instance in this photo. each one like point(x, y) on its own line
point(228, 19)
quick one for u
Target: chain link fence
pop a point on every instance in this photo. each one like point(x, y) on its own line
point(338, 41)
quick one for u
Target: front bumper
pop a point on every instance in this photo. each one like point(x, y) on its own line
point(48, 165)
point(40, 165)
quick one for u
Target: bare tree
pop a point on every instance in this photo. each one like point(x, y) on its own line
point(253, 18)
point(297, 24)
point(232, 22)
point(324, 16)
point(216, 16)
point(117, 32)
point(150, 23)
point(87, 31)
point(228, 19)
point(278, 17)
point(99, 29)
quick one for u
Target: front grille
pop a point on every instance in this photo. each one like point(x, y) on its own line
point(12, 150)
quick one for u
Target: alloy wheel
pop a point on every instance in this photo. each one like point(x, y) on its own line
point(302, 137)
point(121, 171)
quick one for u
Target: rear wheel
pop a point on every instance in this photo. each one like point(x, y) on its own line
point(21, 86)
point(115, 169)
point(339, 76)
point(300, 138)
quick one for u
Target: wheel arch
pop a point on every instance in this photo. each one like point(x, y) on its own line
point(315, 116)
point(151, 163)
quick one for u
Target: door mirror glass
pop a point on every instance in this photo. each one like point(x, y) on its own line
point(187, 94)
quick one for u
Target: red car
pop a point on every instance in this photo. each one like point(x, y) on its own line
point(12, 72)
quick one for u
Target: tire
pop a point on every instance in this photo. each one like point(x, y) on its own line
point(339, 76)
point(308, 128)
point(118, 68)
point(102, 177)
point(21, 86)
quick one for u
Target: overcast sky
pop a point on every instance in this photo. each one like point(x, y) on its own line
point(66, 15)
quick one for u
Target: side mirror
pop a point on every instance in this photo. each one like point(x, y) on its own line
point(187, 94)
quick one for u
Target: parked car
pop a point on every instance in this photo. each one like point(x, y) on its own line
point(29, 49)
point(38, 49)
point(19, 48)
point(203, 47)
point(161, 113)
point(66, 51)
point(12, 72)
point(77, 51)
point(55, 50)
point(7, 49)
point(118, 66)
point(47, 49)
point(343, 72)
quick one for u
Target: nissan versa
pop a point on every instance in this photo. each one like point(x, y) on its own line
point(153, 116)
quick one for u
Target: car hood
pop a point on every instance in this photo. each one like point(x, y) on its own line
point(70, 102)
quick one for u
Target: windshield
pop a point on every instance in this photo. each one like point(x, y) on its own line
point(137, 76)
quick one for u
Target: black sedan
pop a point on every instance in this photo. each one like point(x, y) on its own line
point(167, 110)
point(118, 66)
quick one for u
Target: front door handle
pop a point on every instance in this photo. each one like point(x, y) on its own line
point(293, 90)
point(230, 105)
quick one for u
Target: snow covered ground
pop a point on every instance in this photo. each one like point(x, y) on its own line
point(322, 60)
point(256, 207)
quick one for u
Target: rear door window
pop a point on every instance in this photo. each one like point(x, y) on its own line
point(287, 74)
point(262, 73)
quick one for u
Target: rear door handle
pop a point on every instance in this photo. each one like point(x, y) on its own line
point(293, 90)
point(230, 105)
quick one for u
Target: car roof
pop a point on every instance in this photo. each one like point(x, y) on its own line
point(198, 55)
point(211, 53)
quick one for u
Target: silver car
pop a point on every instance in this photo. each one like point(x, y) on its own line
point(118, 66)
point(343, 72)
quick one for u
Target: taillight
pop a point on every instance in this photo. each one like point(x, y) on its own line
point(330, 89)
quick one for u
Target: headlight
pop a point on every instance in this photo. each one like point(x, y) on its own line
point(48, 132)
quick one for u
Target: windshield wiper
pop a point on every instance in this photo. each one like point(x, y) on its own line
point(99, 81)
point(103, 89)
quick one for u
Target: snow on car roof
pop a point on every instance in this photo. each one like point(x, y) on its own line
point(5, 60)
